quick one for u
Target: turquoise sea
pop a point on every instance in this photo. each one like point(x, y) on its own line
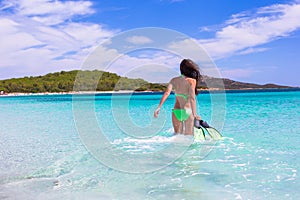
point(43, 155)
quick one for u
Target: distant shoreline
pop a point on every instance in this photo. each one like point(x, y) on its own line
point(124, 92)
point(62, 82)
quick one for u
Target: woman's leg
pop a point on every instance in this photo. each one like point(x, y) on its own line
point(177, 125)
point(189, 126)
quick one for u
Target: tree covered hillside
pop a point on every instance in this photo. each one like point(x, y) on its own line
point(96, 80)
point(85, 81)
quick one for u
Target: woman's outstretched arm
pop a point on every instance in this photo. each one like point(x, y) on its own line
point(163, 99)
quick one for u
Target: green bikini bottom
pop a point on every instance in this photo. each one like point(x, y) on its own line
point(182, 114)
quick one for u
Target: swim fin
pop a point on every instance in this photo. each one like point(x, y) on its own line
point(213, 133)
point(199, 134)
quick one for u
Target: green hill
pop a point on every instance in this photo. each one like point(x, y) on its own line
point(85, 81)
point(96, 80)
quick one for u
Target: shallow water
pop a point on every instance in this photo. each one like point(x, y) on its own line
point(42, 156)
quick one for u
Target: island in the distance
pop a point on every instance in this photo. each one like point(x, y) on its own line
point(78, 80)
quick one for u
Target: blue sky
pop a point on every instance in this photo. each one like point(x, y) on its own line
point(252, 41)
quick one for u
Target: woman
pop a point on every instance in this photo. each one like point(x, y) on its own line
point(184, 110)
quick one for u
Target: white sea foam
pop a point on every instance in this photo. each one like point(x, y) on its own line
point(154, 140)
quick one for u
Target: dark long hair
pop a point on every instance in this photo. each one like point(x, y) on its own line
point(190, 69)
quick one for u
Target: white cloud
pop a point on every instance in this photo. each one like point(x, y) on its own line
point(251, 50)
point(246, 30)
point(151, 65)
point(127, 62)
point(138, 39)
point(205, 29)
point(86, 33)
point(30, 47)
point(49, 12)
point(189, 48)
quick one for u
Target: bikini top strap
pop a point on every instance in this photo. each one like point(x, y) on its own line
point(183, 96)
